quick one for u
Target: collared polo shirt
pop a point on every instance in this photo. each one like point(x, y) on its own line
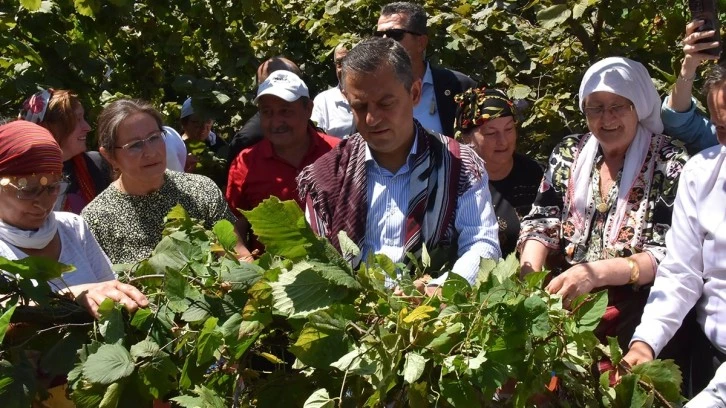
point(258, 173)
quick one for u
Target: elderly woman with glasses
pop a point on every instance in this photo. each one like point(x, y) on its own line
point(604, 204)
point(127, 218)
point(30, 181)
point(60, 111)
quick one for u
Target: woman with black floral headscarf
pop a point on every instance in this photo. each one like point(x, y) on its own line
point(486, 120)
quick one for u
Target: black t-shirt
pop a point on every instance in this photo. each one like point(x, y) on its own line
point(512, 198)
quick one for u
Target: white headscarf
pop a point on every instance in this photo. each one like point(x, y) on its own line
point(629, 79)
point(176, 150)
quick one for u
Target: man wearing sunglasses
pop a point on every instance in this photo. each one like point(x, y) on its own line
point(406, 23)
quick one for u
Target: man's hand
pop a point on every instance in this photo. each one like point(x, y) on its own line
point(639, 353)
point(127, 295)
point(573, 282)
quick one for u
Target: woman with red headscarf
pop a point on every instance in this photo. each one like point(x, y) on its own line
point(30, 181)
point(61, 112)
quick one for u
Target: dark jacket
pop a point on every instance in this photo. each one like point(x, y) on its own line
point(448, 83)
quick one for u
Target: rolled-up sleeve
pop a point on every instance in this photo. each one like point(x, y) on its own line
point(690, 127)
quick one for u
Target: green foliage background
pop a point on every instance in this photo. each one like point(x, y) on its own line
point(164, 51)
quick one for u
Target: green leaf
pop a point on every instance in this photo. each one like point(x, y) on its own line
point(39, 268)
point(413, 367)
point(17, 383)
point(387, 265)
point(420, 313)
point(5, 322)
point(141, 318)
point(144, 348)
point(535, 279)
point(112, 396)
point(425, 257)
point(298, 294)
point(418, 395)
point(158, 375)
point(521, 91)
point(506, 269)
point(282, 228)
point(88, 8)
point(486, 267)
point(458, 392)
point(30, 5)
point(579, 9)
point(187, 401)
point(615, 353)
point(319, 399)
point(455, 288)
point(589, 309)
point(224, 230)
point(319, 348)
point(347, 246)
point(553, 16)
point(209, 341)
point(629, 394)
point(110, 363)
point(665, 375)
point(538, 316)
point(335, 274)
point(111, 323)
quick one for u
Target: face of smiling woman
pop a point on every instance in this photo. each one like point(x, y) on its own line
point(612, 119)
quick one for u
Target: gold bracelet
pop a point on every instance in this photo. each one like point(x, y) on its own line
point(684, 79)
point(634, 271)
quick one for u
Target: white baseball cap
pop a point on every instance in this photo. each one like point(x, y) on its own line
point(283, 84)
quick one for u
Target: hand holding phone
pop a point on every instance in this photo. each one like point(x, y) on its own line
point(706, 11)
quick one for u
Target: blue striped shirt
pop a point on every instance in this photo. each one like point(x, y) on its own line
point(388, 195)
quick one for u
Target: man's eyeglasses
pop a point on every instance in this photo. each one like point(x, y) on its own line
point(26, 192)
point(596, 112)
point(136, 147)
point(396, 34)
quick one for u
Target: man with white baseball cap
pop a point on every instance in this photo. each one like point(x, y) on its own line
point(270, 167)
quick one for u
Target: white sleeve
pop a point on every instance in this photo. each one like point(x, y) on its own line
point(319, 115)
point(679, 279)
point(714, 395)
point(97, 259)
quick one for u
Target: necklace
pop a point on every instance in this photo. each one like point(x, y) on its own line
point(604, 196)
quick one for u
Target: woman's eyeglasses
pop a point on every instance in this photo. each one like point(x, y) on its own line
point(396, 34)
point(137, 147)
point(596, 112)
point(23, 191)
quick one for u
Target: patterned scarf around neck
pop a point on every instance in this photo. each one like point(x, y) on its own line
point(336, 188)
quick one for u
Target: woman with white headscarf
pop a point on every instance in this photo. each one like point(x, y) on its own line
point(604, 206)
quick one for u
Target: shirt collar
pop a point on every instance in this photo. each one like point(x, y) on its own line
point(428, 78)
point(412, 152)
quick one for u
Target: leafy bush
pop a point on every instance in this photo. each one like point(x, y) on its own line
point(166, 51)
point(299, 327)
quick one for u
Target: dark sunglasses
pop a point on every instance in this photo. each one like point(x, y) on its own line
point(396, 34)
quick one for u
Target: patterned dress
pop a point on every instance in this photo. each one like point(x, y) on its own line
point(129, 227)
point(647, 218)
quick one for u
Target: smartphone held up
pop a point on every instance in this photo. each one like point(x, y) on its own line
point(706, 10)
